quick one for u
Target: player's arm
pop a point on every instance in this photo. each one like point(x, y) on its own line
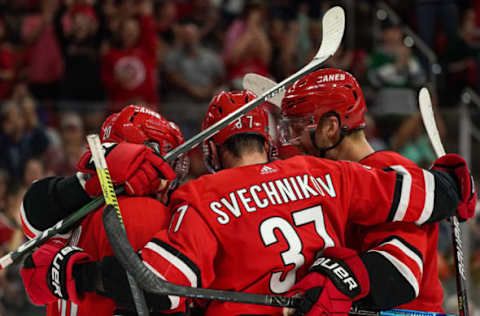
point(400, 194)
point(50, 200)
point(394, 261)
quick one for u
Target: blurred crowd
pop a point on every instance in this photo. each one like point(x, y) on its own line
point(66, 64)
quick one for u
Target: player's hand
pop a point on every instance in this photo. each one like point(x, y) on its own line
point(136, 166)
point(456, 166)
point(48, 273)
point(336, 279)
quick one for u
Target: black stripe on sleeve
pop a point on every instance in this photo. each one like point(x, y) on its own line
point(397, 193)
point(182, 257)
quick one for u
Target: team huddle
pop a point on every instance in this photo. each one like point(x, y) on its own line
point(336, 224)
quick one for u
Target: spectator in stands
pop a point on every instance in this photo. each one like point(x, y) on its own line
point(21, 137)
point(396, 74)
point(7, 64)
point(44, 60)
point(195, 72)
point(463, 58)
point(62, 159)
point(129, 67)
point(430, 13)
point(34, 170)
point(283, 32)
point(81, 89)
point(247, 47)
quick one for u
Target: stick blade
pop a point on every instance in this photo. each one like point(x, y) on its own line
point(425, 103)
point(333, 27)
point(258, 84)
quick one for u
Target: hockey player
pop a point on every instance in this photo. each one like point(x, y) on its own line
point(281, 212)
point(52, 199)
point(324, 116)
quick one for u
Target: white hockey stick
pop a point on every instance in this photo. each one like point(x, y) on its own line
point(111, 200)
point(333, 27)
point(259, 84)
point(429, 121)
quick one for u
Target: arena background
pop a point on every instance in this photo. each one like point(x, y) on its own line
point(66, 64)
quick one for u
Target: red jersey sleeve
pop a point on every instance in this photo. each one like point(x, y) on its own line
point(391, 195)
point(185, 253)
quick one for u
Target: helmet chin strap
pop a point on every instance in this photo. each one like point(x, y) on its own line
point(322, 151)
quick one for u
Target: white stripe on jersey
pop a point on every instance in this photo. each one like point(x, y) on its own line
point(407, 251)
point(73, 309)
point(404, 194)
point(64, 308)
point(174, 300)
point(402, 268)
point(176, 262)
point(429, 196)
point(26, 222)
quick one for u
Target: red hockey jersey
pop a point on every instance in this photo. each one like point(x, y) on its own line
point(257, 228)
point(412, 250)
point(142, 216)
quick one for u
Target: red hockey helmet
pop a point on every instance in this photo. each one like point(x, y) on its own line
point(323, 91)
point(327, 90)
point(253, 122)
point(139, 124)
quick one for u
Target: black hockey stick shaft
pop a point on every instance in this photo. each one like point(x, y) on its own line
point(111, 201)
point(428, 118)
point(460, 274)
point(63, 225)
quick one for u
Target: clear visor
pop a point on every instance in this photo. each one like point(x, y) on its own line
point(291, 129)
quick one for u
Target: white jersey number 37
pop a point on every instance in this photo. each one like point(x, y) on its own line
point(293, 255)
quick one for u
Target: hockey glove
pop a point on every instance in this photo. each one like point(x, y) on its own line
point(456, 166)
point(48, 273)
point(334, 281)
point(136, 166)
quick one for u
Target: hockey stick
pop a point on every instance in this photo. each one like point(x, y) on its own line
point(63, 225)
point(333, 26)
point(258, 84)
point(429, 121)
point(111, 201)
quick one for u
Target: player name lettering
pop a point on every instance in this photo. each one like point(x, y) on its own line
point(275, 192)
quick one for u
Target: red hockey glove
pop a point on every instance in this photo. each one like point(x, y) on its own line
point(456, 166)
point(48, 273)
point(136, 166)
point(335, 280)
